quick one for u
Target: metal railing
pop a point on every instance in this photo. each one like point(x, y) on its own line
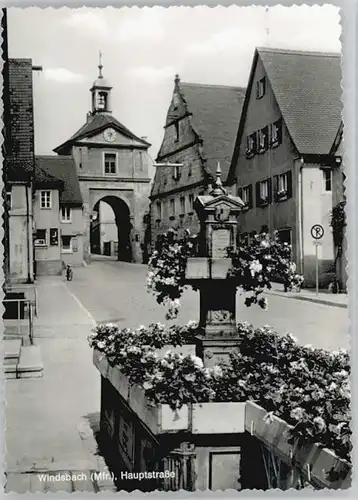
point(30, 292)
point(24, 312)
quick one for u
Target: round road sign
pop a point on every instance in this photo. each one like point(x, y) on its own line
point(317, 231)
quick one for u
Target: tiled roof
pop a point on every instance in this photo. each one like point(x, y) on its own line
point(20, 122)
point(307, 86)
point(98, 123)
point(216, 111)
point(63, 170)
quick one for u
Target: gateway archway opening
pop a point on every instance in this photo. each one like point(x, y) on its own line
point(111, 229)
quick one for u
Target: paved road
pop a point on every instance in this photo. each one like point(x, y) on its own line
point(116, 292)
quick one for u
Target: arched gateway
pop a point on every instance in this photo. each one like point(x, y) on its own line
point(112, 166)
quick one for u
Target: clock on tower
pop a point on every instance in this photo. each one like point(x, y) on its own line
point(109, 135)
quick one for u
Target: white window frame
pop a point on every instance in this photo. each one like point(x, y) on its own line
point(261, 88)
point(264, 189)
point(326, 171)
point(172, 207)
point(191, 202)
point(273, 133)
point(282, 183)
point(246, 194)
point(159, 210)
point(48, 202)
point(66, 250)
point(114, 153)
point(182, 204)
point(66, 219)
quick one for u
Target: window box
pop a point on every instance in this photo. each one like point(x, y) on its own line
point(181, 216)
point(249, 153)
point(274, 432)
point(281, 195)
point(205, 418)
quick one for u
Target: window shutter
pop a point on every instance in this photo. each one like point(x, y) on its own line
point(289, 184)
point(269, 190)
point(257, 90)
point(279, 131)
point(250, 196)
point(258, 197)
point(239, 193)
point(266, 132)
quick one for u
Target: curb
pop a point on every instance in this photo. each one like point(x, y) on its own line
point(309, 299)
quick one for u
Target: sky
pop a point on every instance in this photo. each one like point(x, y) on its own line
point(143, 49)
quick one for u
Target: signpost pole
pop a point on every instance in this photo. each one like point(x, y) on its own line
point(316, 268)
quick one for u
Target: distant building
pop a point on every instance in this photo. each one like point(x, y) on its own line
point(339, 198)
point(58, 215)
point(112, 167)
point(281, 167)
point(200, 131)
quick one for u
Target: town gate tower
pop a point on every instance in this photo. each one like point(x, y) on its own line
point(112, 165)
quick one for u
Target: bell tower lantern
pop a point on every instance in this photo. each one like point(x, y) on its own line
point(101, 92)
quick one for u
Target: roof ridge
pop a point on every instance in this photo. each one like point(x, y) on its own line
point(208, 85)
point(299, 52)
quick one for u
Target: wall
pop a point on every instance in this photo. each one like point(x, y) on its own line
point(48, 258)
point(277, 215)
point(20, 229)
point(75, 228)
point(317, 206)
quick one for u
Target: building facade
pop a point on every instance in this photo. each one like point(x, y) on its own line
point(112, 166)
point(199, 132)
point(281, 166)
point(58, 215)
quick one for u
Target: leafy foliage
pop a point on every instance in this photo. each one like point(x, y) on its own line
point(254, 265)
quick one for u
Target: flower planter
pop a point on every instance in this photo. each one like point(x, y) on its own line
point(203, 418)
point(315, 461)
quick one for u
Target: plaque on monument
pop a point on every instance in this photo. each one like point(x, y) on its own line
point(220, 242)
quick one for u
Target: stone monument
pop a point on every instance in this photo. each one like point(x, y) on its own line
point(218, 215)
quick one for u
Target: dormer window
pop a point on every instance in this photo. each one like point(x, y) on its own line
point(176, 101)
point(260, 88)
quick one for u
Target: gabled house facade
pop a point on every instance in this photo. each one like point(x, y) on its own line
point(112, 166)
point(58, 215)
point(199, 133)
point(281, 166)
point(339, 201)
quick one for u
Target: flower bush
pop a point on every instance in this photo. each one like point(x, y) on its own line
point(254, 265)
point(308, 388)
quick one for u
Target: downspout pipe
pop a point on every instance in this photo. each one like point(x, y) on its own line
point(300, 214)
point(29, 279)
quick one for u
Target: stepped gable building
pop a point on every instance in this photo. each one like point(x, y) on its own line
point(199, 132)
point(282, 166)
point(112, 168)
point(58, 215)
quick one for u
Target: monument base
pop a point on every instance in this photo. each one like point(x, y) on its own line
point(215, 350)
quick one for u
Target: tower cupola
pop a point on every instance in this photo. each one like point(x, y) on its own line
point(101, 92)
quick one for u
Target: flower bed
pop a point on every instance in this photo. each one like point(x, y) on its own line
point(308, 388)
